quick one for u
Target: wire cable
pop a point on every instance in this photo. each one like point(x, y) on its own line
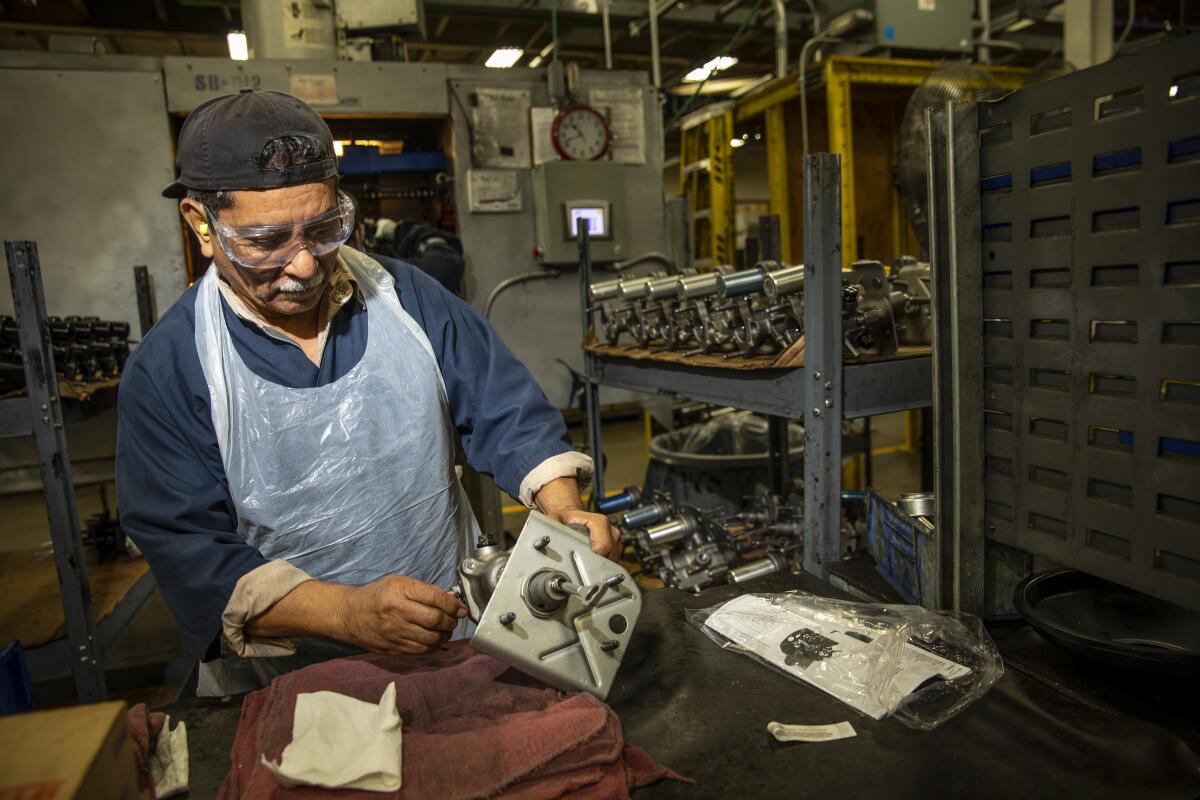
point(1128, 26)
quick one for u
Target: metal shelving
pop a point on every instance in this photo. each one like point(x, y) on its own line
point(823, 392)
point(39, 414)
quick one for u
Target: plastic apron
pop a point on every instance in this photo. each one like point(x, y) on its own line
point(350, 481)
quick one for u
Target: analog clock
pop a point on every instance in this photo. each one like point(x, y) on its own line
point(580, 133)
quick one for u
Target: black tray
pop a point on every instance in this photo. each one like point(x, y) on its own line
point(1100, 621)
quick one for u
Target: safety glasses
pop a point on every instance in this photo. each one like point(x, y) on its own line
point(274, 246)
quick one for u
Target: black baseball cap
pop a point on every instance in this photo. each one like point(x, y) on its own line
point(222, 139)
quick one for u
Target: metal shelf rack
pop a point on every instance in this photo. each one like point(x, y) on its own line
point(823, 392)
point(39, 414)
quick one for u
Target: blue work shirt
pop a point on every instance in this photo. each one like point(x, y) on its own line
point(171, 488)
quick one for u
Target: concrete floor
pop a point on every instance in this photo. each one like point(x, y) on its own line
point(153, 637)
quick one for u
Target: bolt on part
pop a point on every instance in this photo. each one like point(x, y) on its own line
point(541, 543)
point(614, 580)
point(508, 617)
point(610, 645)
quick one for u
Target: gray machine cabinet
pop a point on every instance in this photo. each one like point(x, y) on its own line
point(594, 190)
point(1088, 265)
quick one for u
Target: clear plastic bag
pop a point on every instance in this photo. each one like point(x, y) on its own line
point(921, 666)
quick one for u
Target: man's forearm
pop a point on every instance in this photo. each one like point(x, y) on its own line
point(311, 609)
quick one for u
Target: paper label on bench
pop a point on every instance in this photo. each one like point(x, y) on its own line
point(810, 733)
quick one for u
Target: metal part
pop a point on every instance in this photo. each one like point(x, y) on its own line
point(917, 504)
point(579, 605)
point(671, 531)
point(773, 563)
point(624, 501)
point(645, 515)
point(49, 434)
point(1071, 422)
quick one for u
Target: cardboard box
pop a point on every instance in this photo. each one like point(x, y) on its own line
point(82, 751)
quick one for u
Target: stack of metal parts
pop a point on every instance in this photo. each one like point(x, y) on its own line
point(692, 548)
point(85, 349)
point(761, 310)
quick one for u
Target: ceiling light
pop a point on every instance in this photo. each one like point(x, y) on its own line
point(718, 64)
point(339, 147)
point(1174, 90)
point(239, 50)
point(504, 57)
point(1020, 25)
point(736, 142)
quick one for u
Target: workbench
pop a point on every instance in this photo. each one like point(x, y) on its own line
point(704, 712)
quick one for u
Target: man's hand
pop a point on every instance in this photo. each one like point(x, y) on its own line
point(398, 615)
point(559, 500)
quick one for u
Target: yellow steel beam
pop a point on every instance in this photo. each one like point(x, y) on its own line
point(720, 187)
point(777, 178)
point(890, 72)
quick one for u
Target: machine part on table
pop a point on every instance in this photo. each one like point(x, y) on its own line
point(644, 515)
point(761, 309)
point(550, 607)
point(85, 349)
point(917, 504)
point(697, 548)
point(630, 498)
point(774, 562)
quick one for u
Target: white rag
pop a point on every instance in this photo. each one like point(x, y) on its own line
point(342, 743)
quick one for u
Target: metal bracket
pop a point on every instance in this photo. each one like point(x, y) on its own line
point(572, 628)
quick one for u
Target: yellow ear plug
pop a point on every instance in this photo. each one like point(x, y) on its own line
point(204, 229)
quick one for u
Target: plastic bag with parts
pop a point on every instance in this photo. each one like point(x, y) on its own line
point(919, 665)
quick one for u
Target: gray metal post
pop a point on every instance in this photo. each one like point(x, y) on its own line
point(591, 389)
point(958, 359)
point(779, 477)
point(42, 385)
point(823, 362)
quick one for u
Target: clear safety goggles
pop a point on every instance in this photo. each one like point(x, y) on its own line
point(274, 246)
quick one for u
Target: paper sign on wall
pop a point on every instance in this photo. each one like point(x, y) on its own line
point(541, 120)
point(500, 125)
point(626, 121)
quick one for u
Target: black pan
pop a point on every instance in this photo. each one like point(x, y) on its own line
point(1100, 621)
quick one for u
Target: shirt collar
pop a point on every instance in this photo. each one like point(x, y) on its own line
point(340, 290)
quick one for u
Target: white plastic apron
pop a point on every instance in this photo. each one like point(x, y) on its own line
point(353, 480)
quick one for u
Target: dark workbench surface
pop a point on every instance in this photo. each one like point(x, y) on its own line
point(703, 712)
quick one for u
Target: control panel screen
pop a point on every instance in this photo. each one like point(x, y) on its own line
point(596, 217)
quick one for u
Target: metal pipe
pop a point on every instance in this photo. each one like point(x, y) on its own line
point(737, 284)
point(655, 66)
point(641, 258)
point(662, 288)
point(633, 289)
point(781, 38)
point(985, 17)
point(671, 531)
point(774, 562)
point(804, 51)
point(620, 502)
point(604, 290)
point(695, 286)
point(607, 34)
point(645, 515)
point(506, 284)
point(783, 281)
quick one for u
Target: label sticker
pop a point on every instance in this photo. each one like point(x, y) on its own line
point(810, 733)
point(926, 5)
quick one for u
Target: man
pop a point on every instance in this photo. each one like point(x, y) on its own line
point(285, 448)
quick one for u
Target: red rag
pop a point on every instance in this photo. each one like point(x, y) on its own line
point(144, 728)
point(473, 728)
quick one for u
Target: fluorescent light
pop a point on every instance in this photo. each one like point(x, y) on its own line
point(1174, 90)
point(504, 57)
point(1020, 25)
point(535, 62)
point(718, 64)
point(736, 142)
point(238, 49)
point(338, 147)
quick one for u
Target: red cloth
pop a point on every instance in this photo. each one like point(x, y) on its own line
point(473, 728)
point(144, 728)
